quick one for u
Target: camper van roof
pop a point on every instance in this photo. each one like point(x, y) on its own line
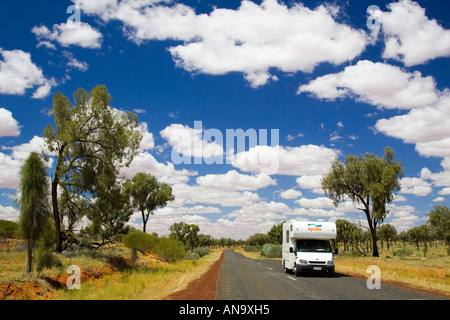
point(313, 230)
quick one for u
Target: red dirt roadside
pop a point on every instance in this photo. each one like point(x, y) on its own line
point(203, 288)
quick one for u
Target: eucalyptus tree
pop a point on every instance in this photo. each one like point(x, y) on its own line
point(368, 181)
point(88, 136)
point(147, 194)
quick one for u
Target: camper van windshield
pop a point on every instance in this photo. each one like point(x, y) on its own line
point(313, 246)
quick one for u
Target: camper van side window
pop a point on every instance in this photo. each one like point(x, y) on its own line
point(291, 227)
point(287, 236)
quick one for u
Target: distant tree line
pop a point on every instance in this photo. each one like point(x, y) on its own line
point(436, 229)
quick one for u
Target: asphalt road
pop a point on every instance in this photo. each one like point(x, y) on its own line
point(241, 278)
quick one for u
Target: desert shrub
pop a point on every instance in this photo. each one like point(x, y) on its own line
point(169, 249)
point(191, 256)
point(250, 249)
point(403, 252)
point(140, 241)
point(271, 250)
point(201, 251)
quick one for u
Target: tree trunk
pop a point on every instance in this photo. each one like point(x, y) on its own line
point(373, 232)
point(29, 256)
point(144, 221)
point(55, 183)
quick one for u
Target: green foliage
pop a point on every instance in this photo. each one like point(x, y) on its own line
point(44, 254)
point(439, 219)
point(276, 233)
point(169, 249)
point(142, 241)
point(250, 249)
point(386, 232)
point(191, 256)
point(201, 251)
point(186, 233)
point(369, 181)
point(111, 211)
point(147, 194)
point(403, 252)
point(34, 209)
point(9, 229)
point(271, 250)
point(258, 239)
point(90, 140)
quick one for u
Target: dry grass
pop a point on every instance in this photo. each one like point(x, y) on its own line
point(431, 274)
point(148, 278)
point(154, 282)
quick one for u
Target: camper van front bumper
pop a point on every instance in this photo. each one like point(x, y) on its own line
point(315, 268)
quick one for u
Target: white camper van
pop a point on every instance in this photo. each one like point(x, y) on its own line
point(307, 247)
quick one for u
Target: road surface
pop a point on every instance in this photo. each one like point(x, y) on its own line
point(241, 278)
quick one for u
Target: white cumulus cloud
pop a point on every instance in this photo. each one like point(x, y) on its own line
point(250, 40)
point(18, 73)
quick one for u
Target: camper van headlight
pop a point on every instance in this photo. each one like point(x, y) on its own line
point(330, 262)
point(303, 261)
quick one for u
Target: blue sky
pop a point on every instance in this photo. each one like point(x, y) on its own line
point(312, 70)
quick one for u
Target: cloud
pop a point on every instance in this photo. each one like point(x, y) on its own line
point(145, 162)
point(444, 191)
point(147, 142)
point(402, 217)
point(187, 194)
point(69, 34)
point(9, 171)
point(291, 194)
point(378, 84)
point(327, 203)
point(18, 73)
point(250, 40)
point(416, 186)
point(311, 182)
point(232, 180)
point(174, 211)
point(9, 127)
point(296, 161)
point(36, 144)
point(426, 127)
point(9, 213)
point(74, 63)
point(189, 142)
point(410, 36)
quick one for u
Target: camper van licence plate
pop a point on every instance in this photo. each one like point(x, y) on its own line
point(318, 268)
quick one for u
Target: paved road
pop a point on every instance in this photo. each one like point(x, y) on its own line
point(241, 278)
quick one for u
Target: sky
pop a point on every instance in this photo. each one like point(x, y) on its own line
point(242, 105)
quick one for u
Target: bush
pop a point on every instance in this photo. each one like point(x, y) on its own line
point(271, 250)
point(403, 252)
point(140, 241)
point(201, 251)
point(250, 249)
point(191, 256)
point(8, 229)
point(169, 249)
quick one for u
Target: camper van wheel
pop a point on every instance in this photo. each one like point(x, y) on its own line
point(296, 271)
point(286, 270)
